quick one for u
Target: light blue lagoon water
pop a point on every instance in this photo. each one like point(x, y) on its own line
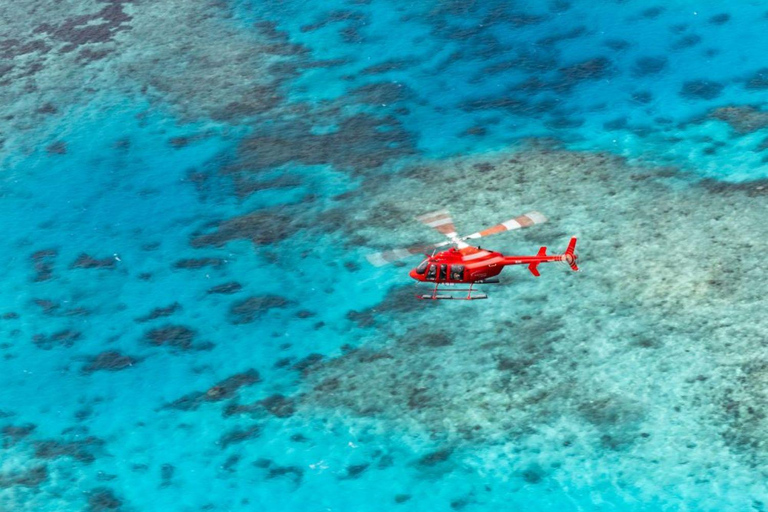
point(188, 192)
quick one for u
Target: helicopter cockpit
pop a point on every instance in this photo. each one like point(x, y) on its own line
point(445, 271)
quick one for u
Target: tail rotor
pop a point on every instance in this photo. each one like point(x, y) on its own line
point(570, 256)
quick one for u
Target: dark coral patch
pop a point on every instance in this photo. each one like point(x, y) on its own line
point(86, 261)
point(294, 473)
point(574, 33)
point(174, 335)
point(435, 458)
point(533, 475)
point(177, 337)
point(231, 463)
point(253, 308)
point(240, 435)
point(474, 130)
point(397, 300)
point(701, 89)
point(686, 42)
point(221, 391)
point(522, 19)
point(461, 503)
point(359, 143)
point(617, 44)
point(381, 93)
point(12, 434)
point(590, 69)
point(166, 474)
point(756, 188)
point(434, 339)
point(81, 450)
point(65, 338)
point(743, 119)
point(279, 405)
point(262, 227)
point(102, 499)
point(645, 66)
point(100, 27)
point(720, 19)
point(161, 312)
point(759, 80)
point(57, 148)
point(12, 48)
point(111, 361)
point(616, 124)
point(52, 308)
point(559, 6)
point(652, 12)
point(336, 16)
point(226, 288)
point(244, 186)
point(48, 306)
point(32, 477)
point(387, 66)
point(306, 364)
point(87, 55)
point(562, 122)
point(642, 97)
point(354, 471)
point(197, 263)
point(48, 108)
point(43, 263)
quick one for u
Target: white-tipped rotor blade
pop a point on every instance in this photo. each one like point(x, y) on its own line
point(379, 259)
point(440, 220)
point(523, 221)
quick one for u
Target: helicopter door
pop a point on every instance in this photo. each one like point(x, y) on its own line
point(457, 272)
point(431, 272)
point(443, 272)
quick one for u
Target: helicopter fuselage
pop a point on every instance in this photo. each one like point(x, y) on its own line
point(473, 264)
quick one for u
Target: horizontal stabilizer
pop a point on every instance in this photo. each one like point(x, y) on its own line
point(533, 267)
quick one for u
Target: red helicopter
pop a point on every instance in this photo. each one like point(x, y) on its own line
point(465, 264)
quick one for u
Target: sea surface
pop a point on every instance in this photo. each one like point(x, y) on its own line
point(189, 190)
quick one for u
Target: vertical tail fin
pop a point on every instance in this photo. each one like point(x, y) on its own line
point(570, 256)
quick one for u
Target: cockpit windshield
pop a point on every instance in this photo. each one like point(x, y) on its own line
point(422, 267)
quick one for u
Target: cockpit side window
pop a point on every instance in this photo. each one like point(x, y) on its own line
point(422, 267)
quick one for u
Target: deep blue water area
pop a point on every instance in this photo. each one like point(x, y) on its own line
point(188, 193)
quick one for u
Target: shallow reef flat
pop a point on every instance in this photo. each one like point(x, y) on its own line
point(649, 363)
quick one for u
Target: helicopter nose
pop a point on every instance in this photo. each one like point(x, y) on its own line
point(413, 274)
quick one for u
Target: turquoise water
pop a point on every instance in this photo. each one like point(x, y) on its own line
point(189, 193)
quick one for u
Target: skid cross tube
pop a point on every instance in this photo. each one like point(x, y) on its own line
point(435, 295)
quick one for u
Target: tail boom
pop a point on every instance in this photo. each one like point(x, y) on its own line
point(569, 257)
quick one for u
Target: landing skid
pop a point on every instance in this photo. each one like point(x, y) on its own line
point(450, 293)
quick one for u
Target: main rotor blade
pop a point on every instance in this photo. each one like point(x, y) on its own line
point(382, 258)
point(523, 221)
point(440, 220)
